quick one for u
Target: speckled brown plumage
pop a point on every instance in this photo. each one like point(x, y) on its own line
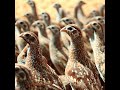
point(58, 54)
point(66, 82)
point(39, 26)
point(41, 71)
point(78, 64)
point(97, 43)
point(65, 37)
point(23, 78)
point(25, 81)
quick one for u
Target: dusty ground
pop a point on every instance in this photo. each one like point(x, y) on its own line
point(46, 5)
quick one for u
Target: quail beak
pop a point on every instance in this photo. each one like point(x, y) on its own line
point(63, 30)
point(54, 5)
point(16, 24)
point(33, 25)
point(48, 27)
point(40, 15)
point(25, 15)
point(84, 3)
point(61, 20)
point(21, 35)
point(29, 1)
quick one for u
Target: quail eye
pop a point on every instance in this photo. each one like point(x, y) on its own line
point(27, 35)
point(69, 28)
point(99, 19)
point(27, 14)
point(67, 20)
point(21, 23)
point(45, 16)
point(31, 3)
point(38, 23)
point(43, 13)
point(94, 24)
point(53, 27)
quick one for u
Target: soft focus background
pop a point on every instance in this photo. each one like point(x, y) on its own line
point(46, 5)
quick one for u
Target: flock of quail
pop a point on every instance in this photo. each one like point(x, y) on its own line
point(63, 54)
